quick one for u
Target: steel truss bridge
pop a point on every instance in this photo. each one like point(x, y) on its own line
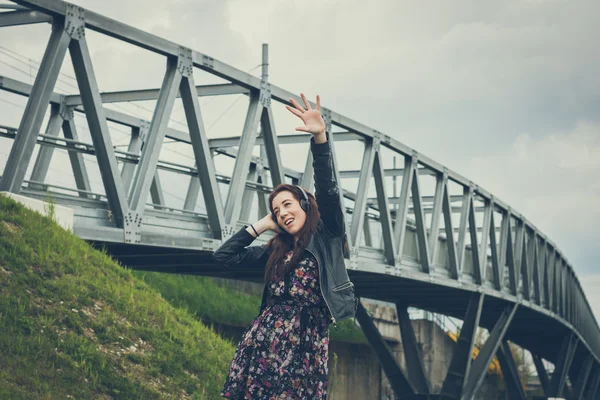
point(451, 247)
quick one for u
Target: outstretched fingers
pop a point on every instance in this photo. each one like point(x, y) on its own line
point(294, 111)
point(297, 105)
point(306, 103)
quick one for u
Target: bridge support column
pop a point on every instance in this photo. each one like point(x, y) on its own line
point(510, 373)
point(412, 354)
point(582, 377)
point(487, 352)
point(565, 358)
point(400, 384)
point(542, 374)
point(452, 388)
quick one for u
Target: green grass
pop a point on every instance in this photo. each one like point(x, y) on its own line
point(224, 305)
point(74, 324)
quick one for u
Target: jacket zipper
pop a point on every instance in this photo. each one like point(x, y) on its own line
point(343, 286)
point(321, 287)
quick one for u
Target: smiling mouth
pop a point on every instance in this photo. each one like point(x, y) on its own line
point(289, 222)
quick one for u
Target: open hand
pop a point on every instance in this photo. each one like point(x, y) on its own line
point(313, 122)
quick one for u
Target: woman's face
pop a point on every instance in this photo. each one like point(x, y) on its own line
point(290, 216)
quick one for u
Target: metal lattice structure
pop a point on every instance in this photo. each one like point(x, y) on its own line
point(457, 251)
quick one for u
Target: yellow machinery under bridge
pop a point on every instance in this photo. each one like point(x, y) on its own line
point(436, 241)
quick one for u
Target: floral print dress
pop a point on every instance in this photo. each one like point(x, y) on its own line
point(283, 353)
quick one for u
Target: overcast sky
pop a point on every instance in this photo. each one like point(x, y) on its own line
point(505, 93)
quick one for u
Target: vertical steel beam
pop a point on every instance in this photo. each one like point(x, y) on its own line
point(191, 196)
point(146, 169)
point(487, 352)
point(510, 261)
point(92, 103)
point(460, 364)
point(518, 252)
point(37, 103)
point(421, 225)
point(249, 194)
point(542, 374)
point(450, 243)
point(504, 244)
point(242, 161)
point(537, 287)
point(462, 229)
point(563, 364)
point(402, 211)
point(202, 153)
point(435, 216)
point(583, 376)
point(135, 146)
point(510, 373)
point(156, 192)
point(272, 146)
point(389, 248)
point(358, 215)
point(44, 156)
point(412, 353)
point(400, 384)
point(525, 260)
point(483, 246)
point(496, 266)
point(367, 233)
point(80, 174)
point(475, 250)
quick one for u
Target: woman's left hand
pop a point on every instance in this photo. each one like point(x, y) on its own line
point(313, 122)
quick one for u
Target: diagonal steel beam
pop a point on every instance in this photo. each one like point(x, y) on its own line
point(475, 246)
point(272, 146)
point(31, 122)
point(450, 243)
point(487, 352)
point(242, 162)
point(402, 212)
point(460, 364)
point(400, 384)
point(203, 155)
point(496, 266)
point(385, 218)
point(44, 156)
point(358, 215)
point(146, 169)
point(82, 180)
point(582, 377)
point(462, 229)
point(412, 353)
point(510, 373)
point(563, 364)
point(542, 373)
point(422, 242)
point(435, 217)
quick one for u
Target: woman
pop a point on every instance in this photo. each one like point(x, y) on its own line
point(283, 353)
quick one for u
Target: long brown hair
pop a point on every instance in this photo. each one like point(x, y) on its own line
point(283, 242)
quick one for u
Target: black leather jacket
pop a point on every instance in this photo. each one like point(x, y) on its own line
point(327, 243)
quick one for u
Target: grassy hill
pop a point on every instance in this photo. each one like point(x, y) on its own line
point(74, 324)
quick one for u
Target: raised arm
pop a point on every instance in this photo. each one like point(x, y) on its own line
point(327, 190)
point(236, 251)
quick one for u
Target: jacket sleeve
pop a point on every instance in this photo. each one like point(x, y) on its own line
point(236, 251)
point(327, 190)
